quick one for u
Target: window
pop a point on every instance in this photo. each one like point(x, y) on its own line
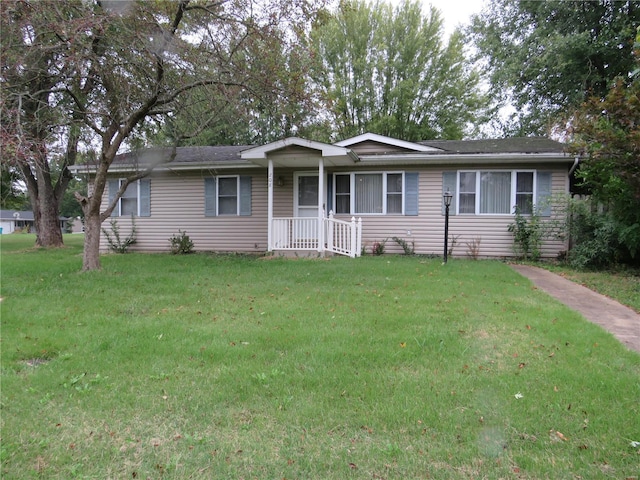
point(524, 192)
point(374, 193)
point(343, 193)
point(467, 192)
point(134, 201)
point(227, 195)
point(498, 192)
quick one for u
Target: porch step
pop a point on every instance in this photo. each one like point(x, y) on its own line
point(302, 254)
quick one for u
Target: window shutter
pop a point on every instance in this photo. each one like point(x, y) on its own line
point(145, 197)
point(113, 189)
point(245, 195)
point(543, 194)
point(411, 193)
point(210, 197)
point(450, 182)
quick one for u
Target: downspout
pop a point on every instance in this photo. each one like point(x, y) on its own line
point(576, 161)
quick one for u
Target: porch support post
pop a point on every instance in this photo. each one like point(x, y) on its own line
point(321, 205)
point(270, 207)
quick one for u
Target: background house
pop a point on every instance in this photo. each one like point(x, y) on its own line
point(21, 221)
point(16, 220)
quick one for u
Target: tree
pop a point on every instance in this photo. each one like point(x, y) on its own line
point(547, 57)
point(244, 117)
point(11, 196)
point(110, 72)
point(606, 133)
point(386, 71)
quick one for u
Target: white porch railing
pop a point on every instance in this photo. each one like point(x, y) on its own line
point(299, 233)
point(344, 238)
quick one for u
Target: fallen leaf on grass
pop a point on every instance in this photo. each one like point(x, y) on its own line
point(557, 436)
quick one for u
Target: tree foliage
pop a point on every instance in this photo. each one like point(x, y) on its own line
point(606, 133)
point(387, 70)
point(546, 57)
point(111, 73)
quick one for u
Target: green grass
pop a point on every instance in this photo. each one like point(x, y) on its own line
point(204, 366)
point(621, 285)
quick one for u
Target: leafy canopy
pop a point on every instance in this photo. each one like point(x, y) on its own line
point(387, 70)
point(546, 57)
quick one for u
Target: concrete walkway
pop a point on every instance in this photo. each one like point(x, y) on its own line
point(614, 317)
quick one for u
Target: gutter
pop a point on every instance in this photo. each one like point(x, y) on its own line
point(458, 159)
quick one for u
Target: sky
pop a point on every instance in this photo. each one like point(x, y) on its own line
point(454, 12)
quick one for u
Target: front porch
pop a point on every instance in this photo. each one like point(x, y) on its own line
point(308, 229)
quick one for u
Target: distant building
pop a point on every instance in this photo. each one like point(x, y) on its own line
point(22, 221)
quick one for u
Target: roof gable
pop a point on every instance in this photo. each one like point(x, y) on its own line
point(324, 149)
point(372, 143)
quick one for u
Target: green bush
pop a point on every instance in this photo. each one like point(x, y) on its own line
point(527, 235)
point(408, 248)
point(116, 243)
point(595, 237)
point(181, 243)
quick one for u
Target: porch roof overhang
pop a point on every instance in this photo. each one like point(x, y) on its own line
point(298, 152)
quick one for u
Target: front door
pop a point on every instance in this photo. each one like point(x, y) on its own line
point(306, 192)
point(306, 209)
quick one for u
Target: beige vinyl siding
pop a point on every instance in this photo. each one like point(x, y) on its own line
point(426, 231)
point(177, 203)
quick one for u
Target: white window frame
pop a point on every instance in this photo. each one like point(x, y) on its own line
point(352, 192)
point(237, 212)
point(135, 184)
point(478, 192)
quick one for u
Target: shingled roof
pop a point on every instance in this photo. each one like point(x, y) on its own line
point(230, 155)
point(184, 155)
point(500, 145)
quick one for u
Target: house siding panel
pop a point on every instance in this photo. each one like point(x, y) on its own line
point(177, 203)
point(426, 231)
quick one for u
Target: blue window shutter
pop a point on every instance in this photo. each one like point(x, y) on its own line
point(145, 197)
point(113, 189)
point(543, 194)
point(450, 182)
point(411, 193)
point(245, 195)
point(210, 197)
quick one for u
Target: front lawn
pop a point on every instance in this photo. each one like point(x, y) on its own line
point(204, 366)
point(620, 284)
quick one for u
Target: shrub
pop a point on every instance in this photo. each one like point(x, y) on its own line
point(595, 238)
point(527, 235)
point(378, 247)
point(181, 243)
point(473, 247)
point(116, 243)
point(409, 249)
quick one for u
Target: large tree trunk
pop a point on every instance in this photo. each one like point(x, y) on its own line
point(91, 254)
point(45, 205)
point(47, 221)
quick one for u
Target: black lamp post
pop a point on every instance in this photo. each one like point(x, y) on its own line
point(447, 196)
